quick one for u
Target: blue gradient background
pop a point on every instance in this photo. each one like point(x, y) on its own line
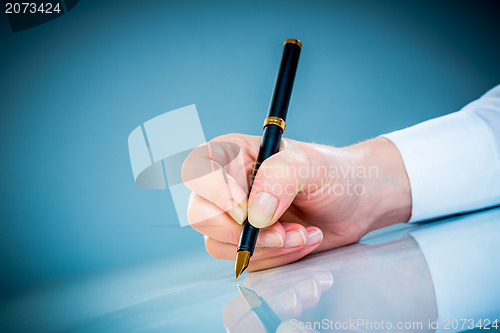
point(74, 88)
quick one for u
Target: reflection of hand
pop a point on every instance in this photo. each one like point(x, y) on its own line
point(307, 197)
point(296, 293)
point(389, 282)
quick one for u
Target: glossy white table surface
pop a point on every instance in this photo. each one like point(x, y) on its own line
point(394, 275)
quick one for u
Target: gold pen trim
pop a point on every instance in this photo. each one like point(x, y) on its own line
point(275, 121)
point(293, 41)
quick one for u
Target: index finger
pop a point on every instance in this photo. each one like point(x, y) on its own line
point(218, 171)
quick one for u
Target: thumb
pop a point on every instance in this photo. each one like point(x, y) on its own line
point(280, 178)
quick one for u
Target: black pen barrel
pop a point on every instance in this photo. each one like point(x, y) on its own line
point(273, 130)
point(284, 81)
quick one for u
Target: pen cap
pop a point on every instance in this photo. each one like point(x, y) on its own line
point(285, 78)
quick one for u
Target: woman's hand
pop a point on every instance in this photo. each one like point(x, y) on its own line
point(305, 198)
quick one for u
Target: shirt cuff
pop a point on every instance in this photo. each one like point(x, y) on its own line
point(452, 162)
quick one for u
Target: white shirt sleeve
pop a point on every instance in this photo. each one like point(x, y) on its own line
point(453, 162)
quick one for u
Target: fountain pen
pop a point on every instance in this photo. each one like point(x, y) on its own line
point(274, 127)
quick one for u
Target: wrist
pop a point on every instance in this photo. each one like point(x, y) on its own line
point(387, 197)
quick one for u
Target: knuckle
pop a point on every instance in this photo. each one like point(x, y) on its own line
point(212, 248)
point(199, 225)
point(235, 235)
point(193, 218)
point(196, 223)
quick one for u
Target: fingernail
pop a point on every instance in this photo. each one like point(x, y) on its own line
point(314, 237)
point(324, 279)
point(270, 238)
point(295, 237)
point(235, 211)
point(307, 289)
point(261, 209)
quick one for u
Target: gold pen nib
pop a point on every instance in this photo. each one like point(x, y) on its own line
point(242, 259)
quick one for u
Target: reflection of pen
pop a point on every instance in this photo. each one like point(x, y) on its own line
point(262, 310)
point(274, 126)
